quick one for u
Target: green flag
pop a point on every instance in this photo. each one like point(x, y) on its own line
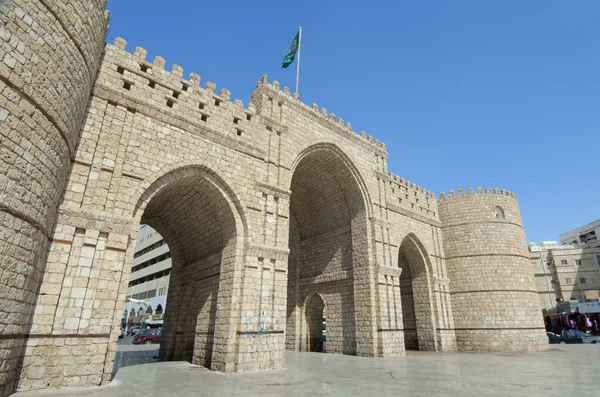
point(291, 53)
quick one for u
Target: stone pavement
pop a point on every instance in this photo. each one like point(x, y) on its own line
point(568, 369)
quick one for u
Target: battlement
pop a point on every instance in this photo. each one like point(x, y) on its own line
point(330, 119)
point(411, 197)
point(480, 191)
point(170, 90)
point(174, 79)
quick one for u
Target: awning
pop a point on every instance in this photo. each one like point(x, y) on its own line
point(154, 322)
point(589, 307)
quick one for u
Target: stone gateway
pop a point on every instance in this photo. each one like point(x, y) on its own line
point(275, 213)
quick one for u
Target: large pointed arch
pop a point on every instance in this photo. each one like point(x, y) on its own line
point(329, 248)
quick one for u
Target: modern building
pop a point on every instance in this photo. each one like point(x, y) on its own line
point(565, 272)
point(584, 236)
point(149, 282)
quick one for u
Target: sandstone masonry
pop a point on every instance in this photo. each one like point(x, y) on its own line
point(272, 212)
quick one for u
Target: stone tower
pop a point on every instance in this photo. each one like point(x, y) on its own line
point(50, 55)
point(491, 282)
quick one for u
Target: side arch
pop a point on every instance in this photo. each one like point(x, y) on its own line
point(416, 292)
point(202, 218)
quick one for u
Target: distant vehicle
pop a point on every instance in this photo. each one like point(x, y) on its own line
point(576, 336)
point(147, 336)
point(132, 330)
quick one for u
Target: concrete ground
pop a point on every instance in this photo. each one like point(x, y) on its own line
point(129, 354)
point(563, 370)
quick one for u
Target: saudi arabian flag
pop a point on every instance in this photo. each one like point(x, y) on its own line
point(291, 53)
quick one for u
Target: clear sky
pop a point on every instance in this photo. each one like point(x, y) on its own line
point(464, 93)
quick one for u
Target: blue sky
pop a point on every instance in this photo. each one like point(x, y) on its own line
point(464, 93)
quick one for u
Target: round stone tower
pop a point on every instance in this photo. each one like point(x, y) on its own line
point(494, 300)
point(49, 55)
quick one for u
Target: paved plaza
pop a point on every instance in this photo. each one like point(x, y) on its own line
point(568, 369)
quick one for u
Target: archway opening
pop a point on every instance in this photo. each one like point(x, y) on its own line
point(193, 215)
point(327, 213)
point(315, 314)
point(415, 294)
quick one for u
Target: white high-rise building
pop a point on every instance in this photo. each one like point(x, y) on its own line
point(149, 281)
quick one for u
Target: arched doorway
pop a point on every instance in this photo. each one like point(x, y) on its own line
point(327, 219)
point(315, 313)
point(416, 296)
point(194, 213)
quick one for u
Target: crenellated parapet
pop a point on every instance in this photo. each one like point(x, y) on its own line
point(480, 191)
point(269, 96)
point(408, 196)
point(130, 80)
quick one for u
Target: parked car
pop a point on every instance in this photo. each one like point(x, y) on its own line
point(147, 336)
point(568, 336)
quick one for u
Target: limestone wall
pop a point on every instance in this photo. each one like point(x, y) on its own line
point(50, 52)
point(491, 282)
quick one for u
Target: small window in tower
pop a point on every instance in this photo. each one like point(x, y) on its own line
point(126, 85)
point(151, 84)
point(175, 94)
point(217, 102)
point(201, 106)
point(170, 103)
point(144, 68)
point(184, 87)
point(563, 261)
point(248, 117)
point(238, 131)
point(498, 213)
point(120, 70)
point(582, 280)
point(204, 117)
point(236, 120)
point(578, 262)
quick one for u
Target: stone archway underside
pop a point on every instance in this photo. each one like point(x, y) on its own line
point(199, 226)
point(326, 210)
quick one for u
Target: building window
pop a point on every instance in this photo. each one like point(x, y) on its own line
point(582, 280)
point(578, 262)
point(568, 281)
point(563, 261)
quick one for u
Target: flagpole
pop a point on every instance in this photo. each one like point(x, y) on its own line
point(298, 64)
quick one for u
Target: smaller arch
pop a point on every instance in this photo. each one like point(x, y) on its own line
point(314, 310)
point(418, 309)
